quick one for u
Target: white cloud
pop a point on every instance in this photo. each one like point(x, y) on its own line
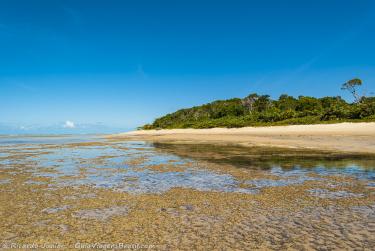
point(69, 124)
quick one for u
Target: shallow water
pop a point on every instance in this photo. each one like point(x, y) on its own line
point(17, 140)
point(108, 166)
point(129, 166)
point(88, 178)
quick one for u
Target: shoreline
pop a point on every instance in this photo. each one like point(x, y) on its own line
point(342, 137)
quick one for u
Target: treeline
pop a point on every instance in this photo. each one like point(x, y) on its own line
point(257, 110)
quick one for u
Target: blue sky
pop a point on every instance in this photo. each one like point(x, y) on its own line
point(114, 65)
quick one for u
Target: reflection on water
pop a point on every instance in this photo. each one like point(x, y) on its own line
point(140, 167)
point(281, 162)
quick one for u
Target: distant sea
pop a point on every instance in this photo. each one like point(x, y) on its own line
point(48, 138)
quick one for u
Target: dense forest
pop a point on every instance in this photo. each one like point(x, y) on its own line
point(258, 110)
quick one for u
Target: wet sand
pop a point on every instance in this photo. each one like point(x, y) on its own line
point(167, 197)
point(343, 137)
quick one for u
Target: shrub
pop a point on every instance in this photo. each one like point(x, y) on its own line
point(257, 110)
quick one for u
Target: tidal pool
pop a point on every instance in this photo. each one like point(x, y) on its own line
point(180, 196)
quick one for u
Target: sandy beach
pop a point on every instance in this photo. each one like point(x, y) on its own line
point(344, 137)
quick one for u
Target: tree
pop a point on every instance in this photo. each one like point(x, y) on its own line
point(286, 102)
point(262, 103)
point(249, 101)
point(352, 86)
point(308, 105)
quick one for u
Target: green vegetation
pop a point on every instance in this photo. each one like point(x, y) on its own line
point(259, 110)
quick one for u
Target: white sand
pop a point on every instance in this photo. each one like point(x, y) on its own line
point(347, 137)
